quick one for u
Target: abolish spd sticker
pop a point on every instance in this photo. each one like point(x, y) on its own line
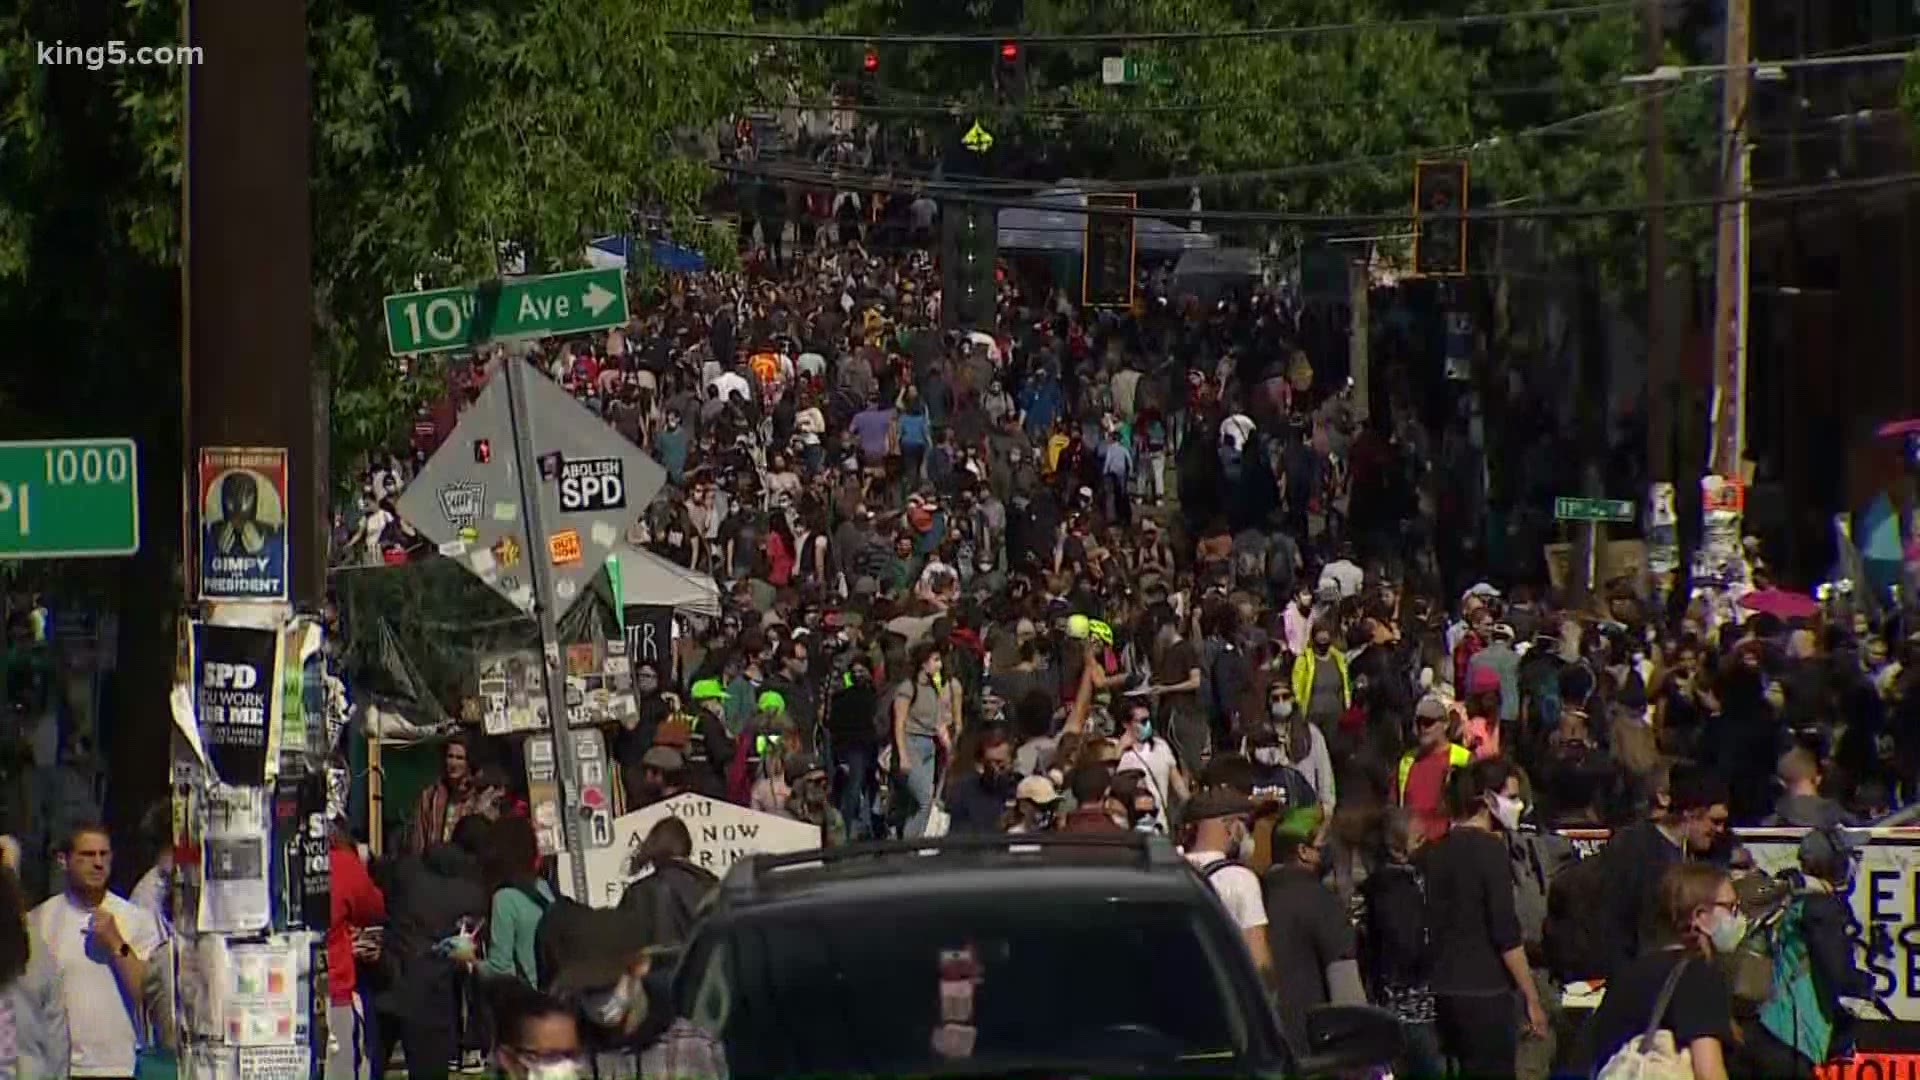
point(593, 484)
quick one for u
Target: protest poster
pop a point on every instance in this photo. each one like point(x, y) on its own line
point(235, 897)
point(722, 833)
point(243, 523)
point(237, 699)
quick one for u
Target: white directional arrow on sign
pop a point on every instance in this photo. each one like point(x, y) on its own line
point(596, 299)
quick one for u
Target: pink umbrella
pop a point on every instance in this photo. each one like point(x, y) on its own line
point(1780, 604)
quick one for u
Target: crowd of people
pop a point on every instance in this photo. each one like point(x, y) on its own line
point(1146, 570)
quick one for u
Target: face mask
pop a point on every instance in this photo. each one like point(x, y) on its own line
point(1146, 731)
point(1266, 755)
point(1280, 710)
point(568, 1069)
point(1506, 810)
point(1727, 930)
point(1322, 645)
point(1146, 824)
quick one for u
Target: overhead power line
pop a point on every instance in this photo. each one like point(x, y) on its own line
point(931, 108)
point(1584, 11)
point(1789, 193)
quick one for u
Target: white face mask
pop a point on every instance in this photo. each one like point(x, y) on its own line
point(1727, 930)
point(1267, 755)
point(1280, 710)
point(1506, 811)
point(556, 1070)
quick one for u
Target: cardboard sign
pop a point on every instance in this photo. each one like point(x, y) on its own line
point(723, 834)
point(1619, 559)
point(650, 637)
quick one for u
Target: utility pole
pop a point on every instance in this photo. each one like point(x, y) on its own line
point(1660, 359)
point(1358, 331)
point(1730, 273)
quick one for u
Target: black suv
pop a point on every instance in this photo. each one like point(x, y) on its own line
point(1089, 955)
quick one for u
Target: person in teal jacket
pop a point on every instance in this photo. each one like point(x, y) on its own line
point(520, 899)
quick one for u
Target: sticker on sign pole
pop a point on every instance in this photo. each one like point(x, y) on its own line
point(563, 547)
point(593, 484)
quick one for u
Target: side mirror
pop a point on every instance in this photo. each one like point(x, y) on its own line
point(1349, 1038)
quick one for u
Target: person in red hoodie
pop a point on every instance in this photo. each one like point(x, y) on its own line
point(357, 906)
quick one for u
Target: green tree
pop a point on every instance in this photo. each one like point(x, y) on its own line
point(449, 135)
point(1324, 123)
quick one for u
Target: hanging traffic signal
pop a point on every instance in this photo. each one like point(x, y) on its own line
point(969, 253)
point(1440, 218)
point(1010, 70)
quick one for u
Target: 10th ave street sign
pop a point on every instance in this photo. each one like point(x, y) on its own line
point(441, 320)
point(1573, 508)
point(69, 498)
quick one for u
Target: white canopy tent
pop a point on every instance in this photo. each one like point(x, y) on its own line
point(646, 578)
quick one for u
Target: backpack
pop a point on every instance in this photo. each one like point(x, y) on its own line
point(555, 941)
point(1652, 1054)
point(1536, 858)
point(1792, 1012)
point(1573, 935)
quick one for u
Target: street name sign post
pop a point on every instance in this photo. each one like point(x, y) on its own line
point(69, 499)
point(443, 320)
point(536, 522)
point(1576, 508)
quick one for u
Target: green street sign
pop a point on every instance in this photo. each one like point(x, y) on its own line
point(442, 320)
point(69, 499)
point(1574, 508)
point(1128, 71)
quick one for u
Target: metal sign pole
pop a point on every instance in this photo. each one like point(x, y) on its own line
point(525, 469)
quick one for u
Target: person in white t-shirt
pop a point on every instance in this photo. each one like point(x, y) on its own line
point(1143, 751)
point(1216, 828)
point(100, 944)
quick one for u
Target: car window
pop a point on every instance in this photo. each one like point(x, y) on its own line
point(821, 990)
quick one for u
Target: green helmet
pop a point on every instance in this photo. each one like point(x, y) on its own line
point(1077, 626)
point(709, 690)
point(771, 701)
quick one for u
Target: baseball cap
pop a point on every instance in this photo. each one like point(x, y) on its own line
point(1430, 709)
point(1827, 847)
point(664, 758)
point(1037, 789)
point(801, 766)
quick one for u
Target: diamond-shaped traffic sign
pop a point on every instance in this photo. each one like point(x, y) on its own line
point(469, 503)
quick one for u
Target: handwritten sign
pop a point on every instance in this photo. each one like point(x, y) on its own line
point(723, 834)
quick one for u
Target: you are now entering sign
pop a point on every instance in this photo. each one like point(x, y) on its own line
point(722, 832)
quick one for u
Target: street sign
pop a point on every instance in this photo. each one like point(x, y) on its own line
point(1575, 508)
point(977, 139)
point(1126, 70)
point(69, 499)
point(439, 320)
point(471, 507)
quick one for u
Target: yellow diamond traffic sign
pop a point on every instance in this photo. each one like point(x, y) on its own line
point(977, 139)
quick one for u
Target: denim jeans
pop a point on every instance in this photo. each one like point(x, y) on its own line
point(853, 762)
point(923, 758)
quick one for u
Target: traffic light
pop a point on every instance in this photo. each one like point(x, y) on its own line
point(969, 250)
point(1010, 70)
point(868, 83)
point(1108, 253)
point(1440, 218)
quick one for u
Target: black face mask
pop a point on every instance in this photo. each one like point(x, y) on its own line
point(996, 781)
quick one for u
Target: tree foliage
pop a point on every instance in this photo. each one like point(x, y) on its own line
point(443, 132)
point(1327, 123)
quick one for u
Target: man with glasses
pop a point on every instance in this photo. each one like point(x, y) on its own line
point(1638, 854)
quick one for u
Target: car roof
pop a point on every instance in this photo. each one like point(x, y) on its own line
point(1133, 866)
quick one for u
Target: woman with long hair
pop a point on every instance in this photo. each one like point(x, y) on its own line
point(1699, 919)
point(33, 1015)
point(511, 864)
